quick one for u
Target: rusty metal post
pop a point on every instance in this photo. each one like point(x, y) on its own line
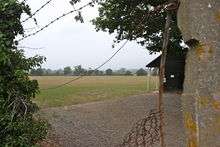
point(166, 36)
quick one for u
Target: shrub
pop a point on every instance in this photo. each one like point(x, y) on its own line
point(18, 127)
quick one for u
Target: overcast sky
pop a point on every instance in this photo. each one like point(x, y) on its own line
point(68, 43)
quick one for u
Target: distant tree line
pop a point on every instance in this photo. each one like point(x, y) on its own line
point(79, 70)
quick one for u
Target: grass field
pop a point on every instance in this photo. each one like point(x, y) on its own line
point(90, 89)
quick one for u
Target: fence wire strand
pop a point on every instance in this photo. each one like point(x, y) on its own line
point(53, 21)
point(104, 63)
point(38, 10)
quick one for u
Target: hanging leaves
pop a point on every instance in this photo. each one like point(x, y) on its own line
point(122, 17)
point(79, 17)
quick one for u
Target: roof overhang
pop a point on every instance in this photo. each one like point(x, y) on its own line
point(155, 62)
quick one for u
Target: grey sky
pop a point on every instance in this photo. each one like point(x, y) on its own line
point(67, 43)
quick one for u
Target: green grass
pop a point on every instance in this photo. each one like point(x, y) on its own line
point(90, 89)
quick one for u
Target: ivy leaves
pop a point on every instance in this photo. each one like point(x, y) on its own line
point(17, 125)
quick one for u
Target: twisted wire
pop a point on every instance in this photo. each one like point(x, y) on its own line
point(53, 21)
point(38, 10)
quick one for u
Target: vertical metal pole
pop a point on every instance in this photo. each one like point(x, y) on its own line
point(166, 36)
point(148, 82)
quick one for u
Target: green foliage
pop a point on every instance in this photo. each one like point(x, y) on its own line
point(67, 70)
point(127, 19)
point(37, 72)
point(141, 72)
point(78, 70)
point(109, 72)
point(128, 73)
point(17, 124)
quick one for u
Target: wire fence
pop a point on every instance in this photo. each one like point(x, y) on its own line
point(145, 133)
point(53, 21)
point(38, 10)
point(146, 16)
point(104, 63)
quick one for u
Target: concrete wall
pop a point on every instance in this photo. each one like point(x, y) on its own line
point(200, 20)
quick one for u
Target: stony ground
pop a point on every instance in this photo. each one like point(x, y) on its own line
point(104, 124)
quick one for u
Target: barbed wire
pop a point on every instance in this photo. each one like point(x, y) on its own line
point(30, 48)
point(31, 28)
point(97, 68)
point(55, 20)
point(104, 63)
point(38, 10)
point(24, 1)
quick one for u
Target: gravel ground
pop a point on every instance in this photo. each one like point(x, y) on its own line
point(104, 124)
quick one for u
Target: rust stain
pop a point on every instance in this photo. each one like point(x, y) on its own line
point(216, 104)
point(217, 16)
point(190, 123)
point(204, 50)
point(191, 127)
point(210, 51)
point(204, 101)
point(217, 127)
point(192, 143)
point(200, 50)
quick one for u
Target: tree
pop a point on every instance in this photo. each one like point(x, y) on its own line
point(90, 72)
point(17, 124)
point(128, 73)
point(78, 70)
point(133, 20)
point(98, 73)
point(37, 72)
point(67, 70)
point(121, 71)
point(141, 72)
point(109, 72)
point(59, 72)
point(49, 72)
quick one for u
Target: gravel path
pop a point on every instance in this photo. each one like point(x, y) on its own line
point(104, 124)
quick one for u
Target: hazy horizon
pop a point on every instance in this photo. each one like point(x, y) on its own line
point(68, 43)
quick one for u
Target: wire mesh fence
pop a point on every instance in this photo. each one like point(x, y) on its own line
point(145, 133)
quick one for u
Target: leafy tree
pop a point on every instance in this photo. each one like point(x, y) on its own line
point(98, 73)
point(37, 72)
point(141, 72)
point(67, 70)
point(59, 72)
point(121, 71)
point(48, 72)
point(132, 20)
point(101, 73)
point(109, 72)
point(90, 72)
point(18, 127)
point(128, 73)
point(78, 70)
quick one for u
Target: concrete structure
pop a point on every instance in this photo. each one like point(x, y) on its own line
point(200, 20)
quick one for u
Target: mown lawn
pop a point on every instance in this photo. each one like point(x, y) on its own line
point(90, 89)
